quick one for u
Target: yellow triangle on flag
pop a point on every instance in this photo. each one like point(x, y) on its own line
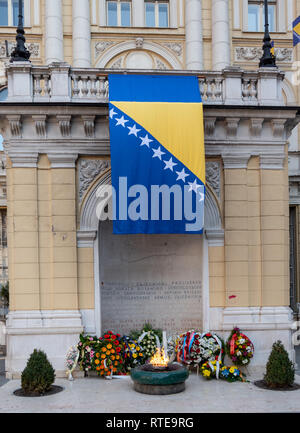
point(176, 126)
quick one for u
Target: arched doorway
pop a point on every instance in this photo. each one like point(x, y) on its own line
point(166, 266)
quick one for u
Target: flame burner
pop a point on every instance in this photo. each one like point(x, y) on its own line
point(159, 379)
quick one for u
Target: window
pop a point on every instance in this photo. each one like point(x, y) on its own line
point(119, 13)
point(156, 13)
point(9, 11)
point(256, 16)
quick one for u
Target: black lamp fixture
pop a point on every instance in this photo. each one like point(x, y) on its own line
point(268, 59)
point(20, 53)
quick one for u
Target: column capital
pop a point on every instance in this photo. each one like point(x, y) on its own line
point(24, 159)
point(62, 160)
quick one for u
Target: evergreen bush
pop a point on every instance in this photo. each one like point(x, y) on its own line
point(280, 371)
point(38, 375)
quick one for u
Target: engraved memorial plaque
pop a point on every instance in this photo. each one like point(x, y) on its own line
point(150, 278)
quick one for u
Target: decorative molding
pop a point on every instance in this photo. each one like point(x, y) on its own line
point(233, 161)
point(278, 126)
point(209, 126)
point(253, 54)
point(40, 125)
point(272, 162)
point(117, 64)
point(215, 237)
point(213, 176)
point(89, 125)
point(256, 126)
point(101, 46)
point(15, 125)
point(89, 170)
point(33, 47)
point(24, 159)
point(232, 124)
point(63, 160)
point(85, 239)
point(139, 42)
point(175, 47)
point(160, 65)
point(64, 122)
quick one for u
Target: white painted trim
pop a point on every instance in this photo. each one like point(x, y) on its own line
point(94, 12)
point(85, 239)
point(236, 15)
point(205, 285)
point(173, 14)
point(36, 12)
point(131, 45)
point(181, 14)
point(138, 16)
point(102, 13)
point(245, 15)
point(281, 15)
point(27, 20)
point(290, 14)
point(97, 297)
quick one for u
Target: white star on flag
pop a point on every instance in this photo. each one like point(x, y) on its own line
point(145, 141)
point(133, 130)
point(201, 196)
point(112, 113)
point(182, 175)
point(194, 186)
point(157, 153)
point(169, 164)
point(121, 121)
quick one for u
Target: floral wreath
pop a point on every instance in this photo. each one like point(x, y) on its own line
point(132, 353)
point(195, 348)
point(71, 360)
point(239, 348)
point(149, 342)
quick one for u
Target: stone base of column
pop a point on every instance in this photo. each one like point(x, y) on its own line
point(51, 331)
point(264, 326)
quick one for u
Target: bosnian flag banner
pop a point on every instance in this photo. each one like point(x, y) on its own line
point(157, 154)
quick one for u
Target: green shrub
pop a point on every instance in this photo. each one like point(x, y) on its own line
point(38, 375)
point(280, 371)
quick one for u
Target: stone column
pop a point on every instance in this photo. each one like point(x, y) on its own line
point(138, 13)
point(81, 33)
point(194, 40)
point(220, 34)
point(54, 37)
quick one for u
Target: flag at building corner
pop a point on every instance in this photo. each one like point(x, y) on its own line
point(296, 31)
point(157, 143)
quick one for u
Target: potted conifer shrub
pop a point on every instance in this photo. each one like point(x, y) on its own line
point(38, 377)
point(280, 371)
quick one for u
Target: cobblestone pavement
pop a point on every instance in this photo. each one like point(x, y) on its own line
point(88, 395)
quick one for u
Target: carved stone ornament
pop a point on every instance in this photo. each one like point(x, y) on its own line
point(175, 47)
point(15, 125)
point(213, 176)
point(101, 46)
point(32, 47)
point(40, 125)
point(89, 125)
point(256, 126)
point(253, 54)
point(89, 169)
point(209, 126)
point(232, 124)
point(117, 64)
point(64, 125)
point(139, 42)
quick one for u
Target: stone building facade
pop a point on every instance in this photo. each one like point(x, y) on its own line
point(55, 129)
